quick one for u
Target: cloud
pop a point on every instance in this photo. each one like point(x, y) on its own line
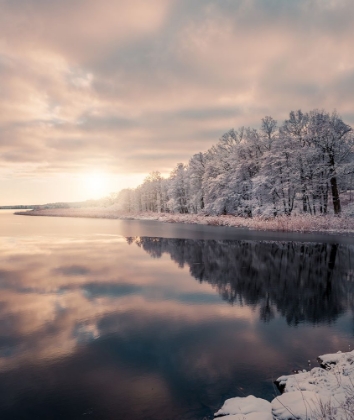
point(137, 86)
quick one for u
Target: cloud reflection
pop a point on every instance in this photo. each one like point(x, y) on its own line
point(105, 327)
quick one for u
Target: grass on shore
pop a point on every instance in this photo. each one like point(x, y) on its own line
point(298, 223)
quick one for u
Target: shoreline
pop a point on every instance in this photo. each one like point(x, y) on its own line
point(324, 392)
point(300, 224)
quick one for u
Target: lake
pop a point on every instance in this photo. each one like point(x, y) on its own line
point(111, 319)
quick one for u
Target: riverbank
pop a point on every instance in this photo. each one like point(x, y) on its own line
point(302, 223)
point(325, 392)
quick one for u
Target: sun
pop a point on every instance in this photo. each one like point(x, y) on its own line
point(96, 184)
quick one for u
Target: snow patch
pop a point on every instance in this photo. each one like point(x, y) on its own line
point(248, 408)
point(301, 405)
point(325, 392)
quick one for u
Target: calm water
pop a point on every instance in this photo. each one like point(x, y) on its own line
point(107, 319)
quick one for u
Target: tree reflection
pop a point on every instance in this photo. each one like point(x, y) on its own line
point(304, 282)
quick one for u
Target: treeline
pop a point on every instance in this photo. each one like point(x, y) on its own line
point(301, 166)
point(18, 207)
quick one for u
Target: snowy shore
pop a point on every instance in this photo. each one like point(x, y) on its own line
point(323, 393)
point(300, 223)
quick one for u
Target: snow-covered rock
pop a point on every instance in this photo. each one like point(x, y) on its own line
point(248, 408)
point(332, 358)
point(321, 393)
point(300, 405)
point(329, 390)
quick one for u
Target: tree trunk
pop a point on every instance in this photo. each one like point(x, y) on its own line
point(304, 202)
point(335, 195)
point(303, 189)
point(334, 187)
point(325, 204)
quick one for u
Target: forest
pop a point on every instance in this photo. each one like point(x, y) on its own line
point(302, 166)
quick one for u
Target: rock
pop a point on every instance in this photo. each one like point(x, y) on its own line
point(247, 408)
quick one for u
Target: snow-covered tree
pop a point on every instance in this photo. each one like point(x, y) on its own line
point(267, 171)
point(334, 141)
point(196, 171)
point(179, 189)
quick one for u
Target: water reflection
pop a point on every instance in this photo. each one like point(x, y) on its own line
point(94, 327)
point(303, 282)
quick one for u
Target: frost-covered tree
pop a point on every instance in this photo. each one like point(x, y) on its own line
point(222, 194)
point(179, 189)
point(333, 139)
point(269, 131)
point(282, 175)
point(268, 171)
point(196, 171)
point(294, 129)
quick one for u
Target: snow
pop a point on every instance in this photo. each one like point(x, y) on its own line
point(322, 393)
point(248, 408)
point(303, 223)
point(302, 405)
point(251, 416)
point(328, 359)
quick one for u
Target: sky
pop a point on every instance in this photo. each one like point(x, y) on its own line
point(95, 94)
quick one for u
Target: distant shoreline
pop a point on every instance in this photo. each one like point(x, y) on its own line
point(302, 223)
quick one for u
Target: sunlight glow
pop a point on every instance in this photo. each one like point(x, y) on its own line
point(96, 184)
